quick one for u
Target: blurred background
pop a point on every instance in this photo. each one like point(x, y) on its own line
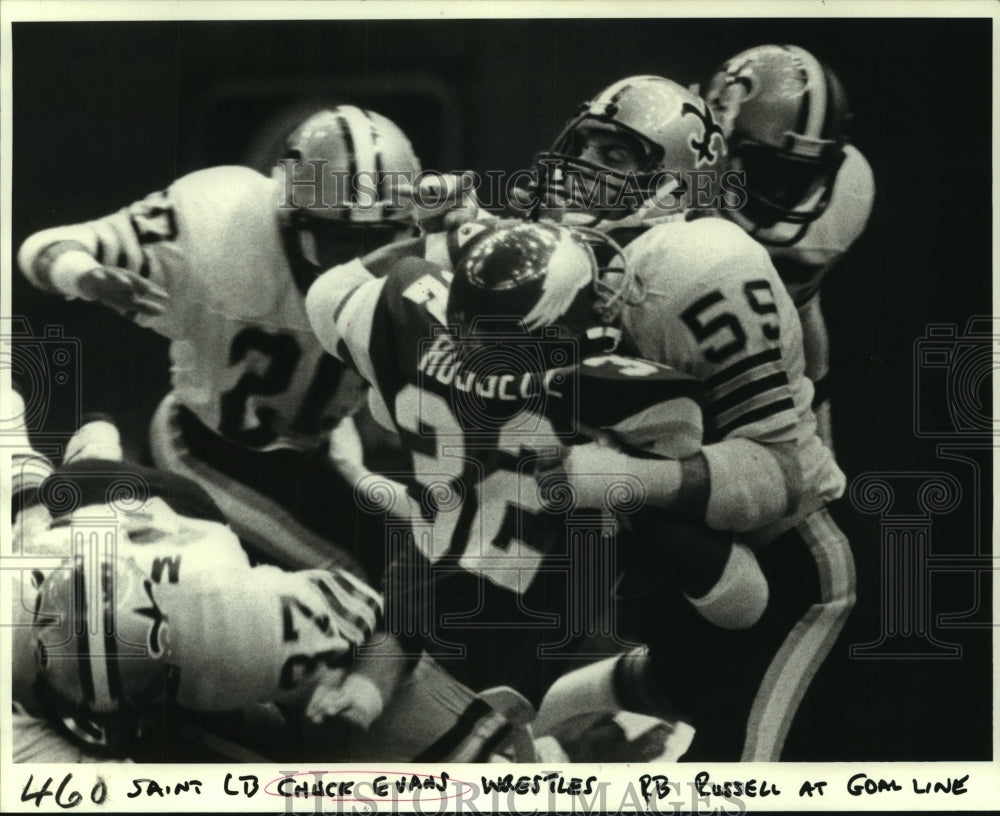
point(105, 113)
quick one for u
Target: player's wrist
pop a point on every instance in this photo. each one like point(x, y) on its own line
point(61, 265)
point(678, 485)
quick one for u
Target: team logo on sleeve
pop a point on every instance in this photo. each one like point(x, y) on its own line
point(706, 149)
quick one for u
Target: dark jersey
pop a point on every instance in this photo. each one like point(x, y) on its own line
point(493, 576)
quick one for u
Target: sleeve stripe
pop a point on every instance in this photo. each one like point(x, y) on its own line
point(362, 624)
point(715, 408)
point(356, 587)
point(108, 241)
point(741, 380)
point(454, 736)
point(763, 412)
point(726, 417)
point(344, 300)
point(748, 363)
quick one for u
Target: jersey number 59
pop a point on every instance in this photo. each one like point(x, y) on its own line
point(717, 328)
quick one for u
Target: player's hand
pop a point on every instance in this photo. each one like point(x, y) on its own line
point(443, 202)
point(348, 697)
point(124, 291)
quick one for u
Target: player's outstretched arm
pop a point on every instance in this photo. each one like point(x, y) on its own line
point(737, 484)
point(75, 261)
point(68, 268)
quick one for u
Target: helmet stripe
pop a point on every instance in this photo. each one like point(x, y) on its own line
point(80, 628)
point(362, 147)
point(345, 134)
point(816, 92)
point(103, 700)
point(109, 590)
point(380, 179)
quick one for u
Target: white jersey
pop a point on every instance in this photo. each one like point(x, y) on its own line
point(234, 634)
point(715, 309)
point(803, 256)
point(243, 358)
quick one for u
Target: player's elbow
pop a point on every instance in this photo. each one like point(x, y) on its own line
point(31, 250)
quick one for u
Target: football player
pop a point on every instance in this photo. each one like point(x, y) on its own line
point(136, 613)
point(809, 192)
point(489, 375)
point(220, 263)
point(715, 308)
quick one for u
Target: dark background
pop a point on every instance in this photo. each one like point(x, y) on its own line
point(105, 113)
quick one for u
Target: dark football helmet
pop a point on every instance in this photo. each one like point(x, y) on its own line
point(542, 276)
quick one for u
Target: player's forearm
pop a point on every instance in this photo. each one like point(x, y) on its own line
point(737, 484)
point(815, 339)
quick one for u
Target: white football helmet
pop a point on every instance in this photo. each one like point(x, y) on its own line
point(342, 180)
point(101, 639)
point(676, 153)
